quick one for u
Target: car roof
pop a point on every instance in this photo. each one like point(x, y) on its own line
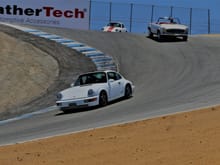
point(105, 71)
point(116, 22)
point(168, 18)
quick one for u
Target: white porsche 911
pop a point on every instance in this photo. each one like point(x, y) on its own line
point(114, 27)
point(94, 88)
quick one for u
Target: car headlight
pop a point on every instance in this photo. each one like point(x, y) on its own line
point(59, 96)
point(91, 93)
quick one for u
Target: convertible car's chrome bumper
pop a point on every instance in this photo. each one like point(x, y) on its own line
point(175, 34)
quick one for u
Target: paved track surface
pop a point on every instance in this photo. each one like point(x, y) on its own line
point(169, 77)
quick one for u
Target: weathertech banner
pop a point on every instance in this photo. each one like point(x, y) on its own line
point(56, 13)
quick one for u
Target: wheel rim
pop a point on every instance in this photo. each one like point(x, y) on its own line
point(127, 91)
point(103, 99)
point(149, 33)
point(158, 35)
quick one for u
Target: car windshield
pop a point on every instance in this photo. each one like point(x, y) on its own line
point(169, 20)
point(91, 78)
point(114, 24)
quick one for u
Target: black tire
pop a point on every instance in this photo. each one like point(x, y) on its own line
point(65, 110)
point(103, 99)
point(128, 91)
point(159, 37)
point(185, 38)
point(150, 34)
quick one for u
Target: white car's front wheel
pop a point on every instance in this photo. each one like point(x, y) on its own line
point(103, 98)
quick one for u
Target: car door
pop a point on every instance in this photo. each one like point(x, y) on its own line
point(123, 28)
point(115, 85)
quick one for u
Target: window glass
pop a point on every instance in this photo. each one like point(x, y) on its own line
point(118, 76)
point(114, 76)
point(110, 75)
point(91, 78)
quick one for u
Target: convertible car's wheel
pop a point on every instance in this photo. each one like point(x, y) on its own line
point(150, 34)
point(103, 99)
point(185, 38)
point(159, 37)
point(128, 91)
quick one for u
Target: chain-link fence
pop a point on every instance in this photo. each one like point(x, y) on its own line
point(137, 16)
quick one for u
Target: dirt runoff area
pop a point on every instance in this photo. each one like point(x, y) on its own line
point(179, 139)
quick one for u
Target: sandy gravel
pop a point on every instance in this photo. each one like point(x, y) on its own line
point(181, 139)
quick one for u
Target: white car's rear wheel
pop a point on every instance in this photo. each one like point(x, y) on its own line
point(128, 91)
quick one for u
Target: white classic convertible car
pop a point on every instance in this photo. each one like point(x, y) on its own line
point(168, 26)
point(114, 27)
point(94, 88)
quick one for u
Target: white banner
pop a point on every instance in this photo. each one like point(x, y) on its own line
point(56, 13)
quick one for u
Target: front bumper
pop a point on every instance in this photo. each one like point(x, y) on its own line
point(175, 34)
point(78, 103)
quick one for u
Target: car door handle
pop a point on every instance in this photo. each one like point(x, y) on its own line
point(119, 82)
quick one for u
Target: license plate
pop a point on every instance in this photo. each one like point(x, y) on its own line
point(72, 105)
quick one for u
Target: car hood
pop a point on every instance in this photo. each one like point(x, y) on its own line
point(78, 92)
point(174, 26)
point(109, 28)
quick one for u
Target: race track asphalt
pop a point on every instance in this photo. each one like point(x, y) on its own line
point(169, 76)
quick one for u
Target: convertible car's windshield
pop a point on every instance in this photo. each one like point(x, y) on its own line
point(91, 78)
point(168, 20)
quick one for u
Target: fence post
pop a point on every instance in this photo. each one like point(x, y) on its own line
point(90, 13)
point(190, 23)
point(152, 13)
point(110, 11)
point(209, 21)
point(131, 15)
point(171, 11)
